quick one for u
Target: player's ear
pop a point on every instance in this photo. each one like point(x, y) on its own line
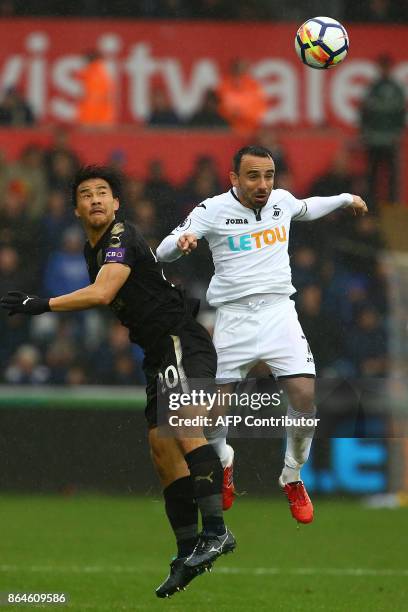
point(76, 213)
point(234, 179)
point(115, 203)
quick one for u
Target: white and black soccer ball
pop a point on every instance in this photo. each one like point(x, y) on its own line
point(322, 42)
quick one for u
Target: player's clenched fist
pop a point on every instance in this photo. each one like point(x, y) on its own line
point(187, 243)
point(359, 206)
point(19, 302)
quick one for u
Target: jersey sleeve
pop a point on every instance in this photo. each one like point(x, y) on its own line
point(198, 222)
point(123, 246)
point(297, 207)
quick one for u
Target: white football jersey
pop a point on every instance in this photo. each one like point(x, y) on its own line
point(249, 248)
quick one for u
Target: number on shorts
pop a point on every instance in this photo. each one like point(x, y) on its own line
point(170, 379)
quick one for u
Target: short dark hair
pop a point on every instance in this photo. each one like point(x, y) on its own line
point(112, 177)
point(255, 150)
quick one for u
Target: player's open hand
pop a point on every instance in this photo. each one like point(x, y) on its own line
point(19, 302)
point(359, 206)
point(187, 243)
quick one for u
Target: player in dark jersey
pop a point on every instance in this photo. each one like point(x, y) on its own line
point(125, 275)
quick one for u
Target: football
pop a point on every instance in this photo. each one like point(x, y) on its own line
point(322, 42)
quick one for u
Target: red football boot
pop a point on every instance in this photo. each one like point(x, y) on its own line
point(228, 489)
point(300, 504)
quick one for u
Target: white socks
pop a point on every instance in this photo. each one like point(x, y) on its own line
point(298, 443)
point(218, 440)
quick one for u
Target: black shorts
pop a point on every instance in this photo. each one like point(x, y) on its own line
point(186, 353)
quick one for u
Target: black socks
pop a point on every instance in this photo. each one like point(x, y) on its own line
point(206, 475)
point(182, 512)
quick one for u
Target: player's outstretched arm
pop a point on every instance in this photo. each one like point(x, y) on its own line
point(175, 245)
point(358, 206)
point(110, 279)
point(18, 301)
point(317, 206)
point(183, 239)
point(187, 243)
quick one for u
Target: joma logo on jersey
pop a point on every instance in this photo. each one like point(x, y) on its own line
point(237, 221)
point(257, 240)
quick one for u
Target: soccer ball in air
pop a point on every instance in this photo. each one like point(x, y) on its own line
point(321, 42)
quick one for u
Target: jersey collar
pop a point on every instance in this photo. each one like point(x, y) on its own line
point(98, 244)
point(271, 200)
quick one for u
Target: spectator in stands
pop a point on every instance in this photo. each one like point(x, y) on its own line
point(61, 355)
point(17, 228)
point(14, 330)
point(115, 362)
point(321, 329)
point(208, 116)
point(367, 344)
point(328, 232)
point(213, 9)
point(375, 11)
point(384, 11)
point(76, 375)
point(97, 106)
point(337, 179)
point(201, 184)
point(14, 333)
point(117, 161)
point(56, 219)
point(304, 267)
point(66, 271)
point(269, 139)
point(134, 192)
point(60, 145)
point(364, 247)
point(204, 165)
point(354, 298)
point(162, 193)
point(242, 99)
point(12, 270)
point(295, 10)
point(162, 113)
point(28, 175)
point(14, 110)
point(145, 217)
point(4, 173)
point(333, 279)
point(7, 8)
point(61, 171)
point(253, 11)
point(173, 9)
point(157, 186)
point(379, 287)
point(382, 121)
point(26, 367)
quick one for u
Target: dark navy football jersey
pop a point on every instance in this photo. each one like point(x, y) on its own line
point(147, 304)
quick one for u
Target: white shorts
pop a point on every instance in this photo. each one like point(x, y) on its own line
point(261, 328)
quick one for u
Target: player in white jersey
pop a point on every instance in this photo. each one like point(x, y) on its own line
point(247, 229)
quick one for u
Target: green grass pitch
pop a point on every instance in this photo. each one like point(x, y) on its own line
point(109, 554)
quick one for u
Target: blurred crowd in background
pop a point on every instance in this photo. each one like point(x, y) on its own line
point(351, 10)
point(336, 264)
point(340, 281)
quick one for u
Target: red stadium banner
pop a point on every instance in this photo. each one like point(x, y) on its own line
point(42, 57)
